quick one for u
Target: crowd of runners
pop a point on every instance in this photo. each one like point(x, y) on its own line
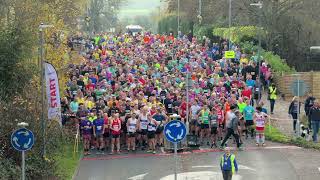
point(127, 87)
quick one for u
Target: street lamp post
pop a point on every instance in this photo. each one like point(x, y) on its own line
point(43, 120)
point(259, 5)
point(200, 12)
point(178, 16)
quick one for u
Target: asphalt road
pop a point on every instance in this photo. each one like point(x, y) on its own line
point(275, 162)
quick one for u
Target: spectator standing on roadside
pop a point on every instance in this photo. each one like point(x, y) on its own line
point(315, 120)
point(294, 108)
point(228, 164)
point(272, 93)
point(307, 107)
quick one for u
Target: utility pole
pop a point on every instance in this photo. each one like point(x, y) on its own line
point(259, 5)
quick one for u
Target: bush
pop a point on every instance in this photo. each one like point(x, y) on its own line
point(9, 170)
point(237, 34)
point(20, 97)
point(200, 31)
point(246, 37)
point(277, 64)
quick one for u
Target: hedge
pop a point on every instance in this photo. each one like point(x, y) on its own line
point(278, 65)
point(237, 34)
point(245, 36)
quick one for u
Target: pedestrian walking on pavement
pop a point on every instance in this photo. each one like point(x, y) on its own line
point(315, 120)
point(294, 108)
point(228, 164)
point(272, 96)
point(232, 127)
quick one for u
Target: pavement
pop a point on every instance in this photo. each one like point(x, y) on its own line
point(280, 118)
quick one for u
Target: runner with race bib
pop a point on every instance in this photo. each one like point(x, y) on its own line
point(260, 120)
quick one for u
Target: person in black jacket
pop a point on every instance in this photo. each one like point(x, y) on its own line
point(307, 107)
point(315, 120)
point(294, 108)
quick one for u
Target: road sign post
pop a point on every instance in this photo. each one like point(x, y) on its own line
point(175, 131)
point(22, 140)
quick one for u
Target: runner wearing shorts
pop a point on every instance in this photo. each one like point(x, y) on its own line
point(115, 127)
point(248, 113)
point(260, 120)
point(143, 128)
point(86, 128)
point(106, 134)
point(132, 126)
point(152, 126)
point(220, 116)
point(213, 119)
point(194, 123)
point(204, 123)
point(98, 131)
point(160, 117)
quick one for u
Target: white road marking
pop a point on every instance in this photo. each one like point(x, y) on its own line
point(138, 177)
point(246, 167)
point(205, 166)
point(240, 167)
point(200, 175)
point(282, 147)
point(319, 169)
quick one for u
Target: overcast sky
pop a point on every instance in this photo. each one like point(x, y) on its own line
point(138, 7)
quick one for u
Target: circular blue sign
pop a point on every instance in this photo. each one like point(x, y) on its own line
point(22, 139)
point(175, 131)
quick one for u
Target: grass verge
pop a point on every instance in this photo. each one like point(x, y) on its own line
point(67, 161)
point(276, 136)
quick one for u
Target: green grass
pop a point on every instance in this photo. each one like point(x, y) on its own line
point(276, 136)
point(67, 162)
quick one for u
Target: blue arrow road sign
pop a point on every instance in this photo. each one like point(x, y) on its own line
point(175, 131)
point(22, 139)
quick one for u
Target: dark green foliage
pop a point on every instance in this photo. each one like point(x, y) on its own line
point(15, 73)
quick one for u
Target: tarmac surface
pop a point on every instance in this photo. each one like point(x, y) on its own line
point(273, 162)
